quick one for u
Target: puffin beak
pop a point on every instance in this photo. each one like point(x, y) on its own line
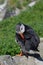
point(22, 36)
point(20, 33)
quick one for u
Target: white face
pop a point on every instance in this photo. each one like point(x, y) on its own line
point(22, 28)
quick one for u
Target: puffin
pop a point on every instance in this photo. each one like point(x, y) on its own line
point(27, 39)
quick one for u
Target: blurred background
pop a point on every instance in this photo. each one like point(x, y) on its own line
point(13, 7)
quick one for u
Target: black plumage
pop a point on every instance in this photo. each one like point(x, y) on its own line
point(31, 40)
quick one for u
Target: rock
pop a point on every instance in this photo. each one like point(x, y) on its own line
point(32, 4)
point(22, 60)
point(7, 60)
point(3, 10)
point(41, 47)
point(19, 60)
point(13, 12)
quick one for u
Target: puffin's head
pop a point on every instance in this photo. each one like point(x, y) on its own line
point(20, 28)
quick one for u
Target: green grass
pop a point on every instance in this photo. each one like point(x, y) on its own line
point(32, 16)
point(18, 3)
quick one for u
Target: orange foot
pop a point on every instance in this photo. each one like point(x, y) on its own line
point(21, 54)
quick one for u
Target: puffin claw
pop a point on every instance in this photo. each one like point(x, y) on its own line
point(21, 54)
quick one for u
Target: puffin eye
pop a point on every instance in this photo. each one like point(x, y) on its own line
point(21, 28)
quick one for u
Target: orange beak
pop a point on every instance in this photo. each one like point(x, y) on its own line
point(22, 36)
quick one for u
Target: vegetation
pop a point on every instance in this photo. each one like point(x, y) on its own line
point(1, 1)
point(32, 16)
point(18, 3)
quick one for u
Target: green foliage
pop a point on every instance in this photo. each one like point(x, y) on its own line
point(25, 2)
point(32, 16)
point(18, 3)
point(1, 1)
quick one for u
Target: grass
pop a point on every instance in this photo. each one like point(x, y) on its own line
point(32, 16)
point(18, 3)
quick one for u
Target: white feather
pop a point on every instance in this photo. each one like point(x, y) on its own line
point(22, 28)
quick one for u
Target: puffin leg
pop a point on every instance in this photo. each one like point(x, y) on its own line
point(21, 54)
